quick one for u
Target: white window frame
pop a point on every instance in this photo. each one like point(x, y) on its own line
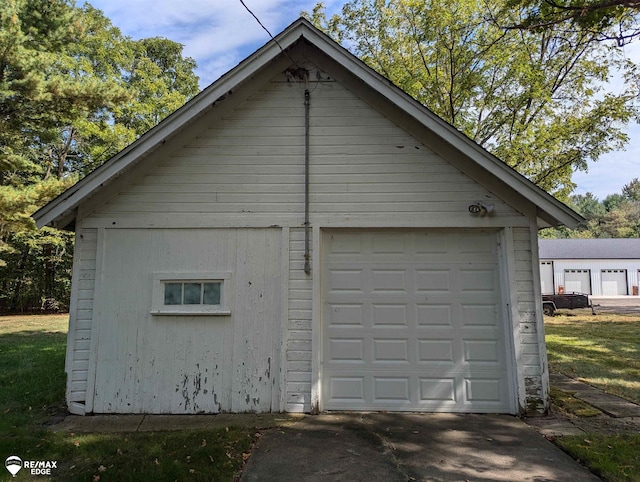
point(226, 290)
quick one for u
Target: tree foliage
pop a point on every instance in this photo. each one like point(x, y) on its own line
point(617, 216)
point(605, 19)
point(530, 96)
point(73, 91)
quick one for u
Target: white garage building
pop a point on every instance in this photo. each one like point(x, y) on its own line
point(304, 236)
point(598, 267)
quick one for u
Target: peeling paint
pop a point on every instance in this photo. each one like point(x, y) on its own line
point(185, 392)
point(536, 406)
point(234, 357)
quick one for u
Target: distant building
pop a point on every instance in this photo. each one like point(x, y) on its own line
point(598, 267)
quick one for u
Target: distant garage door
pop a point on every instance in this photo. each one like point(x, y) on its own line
point(412, 322)
point(614, 282)
point(546, 277)
point(577, 281)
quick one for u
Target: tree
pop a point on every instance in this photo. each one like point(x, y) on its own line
point(605, 19)
point(631, 191)
point(152, 77)
point(612, 202)
point(531, 97)
point(587, 205)
point(617, 216)
point(73, 92)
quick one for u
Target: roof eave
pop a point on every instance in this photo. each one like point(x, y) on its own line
point(550, 210)
point(59, 208)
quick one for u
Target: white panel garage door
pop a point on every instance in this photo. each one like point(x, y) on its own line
point(411, 322)
point(614, 282)
point(577, 281)
point(546, 277)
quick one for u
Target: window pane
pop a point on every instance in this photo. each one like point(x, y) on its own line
point(173, 293)
point(192, 293)
point(211, 293)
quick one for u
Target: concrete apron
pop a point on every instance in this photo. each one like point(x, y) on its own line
point(402, 447)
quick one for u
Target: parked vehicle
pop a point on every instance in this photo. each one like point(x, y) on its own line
point(570, 301)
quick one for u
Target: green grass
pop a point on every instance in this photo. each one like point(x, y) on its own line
point(602, 350)
point(615, 458)
point(32, 352)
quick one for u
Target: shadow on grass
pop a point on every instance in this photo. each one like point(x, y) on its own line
point(614, 458)
point(181, 455)
point(605, 354)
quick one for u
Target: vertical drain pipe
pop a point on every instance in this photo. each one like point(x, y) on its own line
point(307, 227)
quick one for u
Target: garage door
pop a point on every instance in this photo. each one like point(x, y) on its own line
point(411, 322)
point(614, 282)
point(577, 281)
point(546, 277)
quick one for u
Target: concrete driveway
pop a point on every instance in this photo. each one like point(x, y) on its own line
point(406, 447)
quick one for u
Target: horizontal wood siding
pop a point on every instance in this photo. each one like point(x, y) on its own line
point(531, 363)
point(80, 340)
point(298, 357)
point(252, 162)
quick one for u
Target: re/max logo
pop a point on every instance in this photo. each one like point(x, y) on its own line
point(40, 464)
point(35, 467)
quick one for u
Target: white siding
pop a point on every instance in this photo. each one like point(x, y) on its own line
point(81, 316)
point(252, 163)
point(533, 359)
point(248, 171)
point(298, 358)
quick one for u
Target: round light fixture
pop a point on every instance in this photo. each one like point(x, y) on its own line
point(475, 208)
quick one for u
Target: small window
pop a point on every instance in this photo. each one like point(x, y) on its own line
point(191, 294)
point(205, 293)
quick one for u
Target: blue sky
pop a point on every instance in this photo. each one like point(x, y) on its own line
point(218, 34)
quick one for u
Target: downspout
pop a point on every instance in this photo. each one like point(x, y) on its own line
point(307, 227)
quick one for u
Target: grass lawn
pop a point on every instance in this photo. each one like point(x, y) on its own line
point(604, 351)
point(615, 458)
point(32, 352)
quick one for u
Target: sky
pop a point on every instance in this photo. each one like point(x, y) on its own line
point(218, 34)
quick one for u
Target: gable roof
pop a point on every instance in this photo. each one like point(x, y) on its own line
point(61, 211)
point(602, 248)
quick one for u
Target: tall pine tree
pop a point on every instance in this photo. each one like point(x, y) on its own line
point(73, 92)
